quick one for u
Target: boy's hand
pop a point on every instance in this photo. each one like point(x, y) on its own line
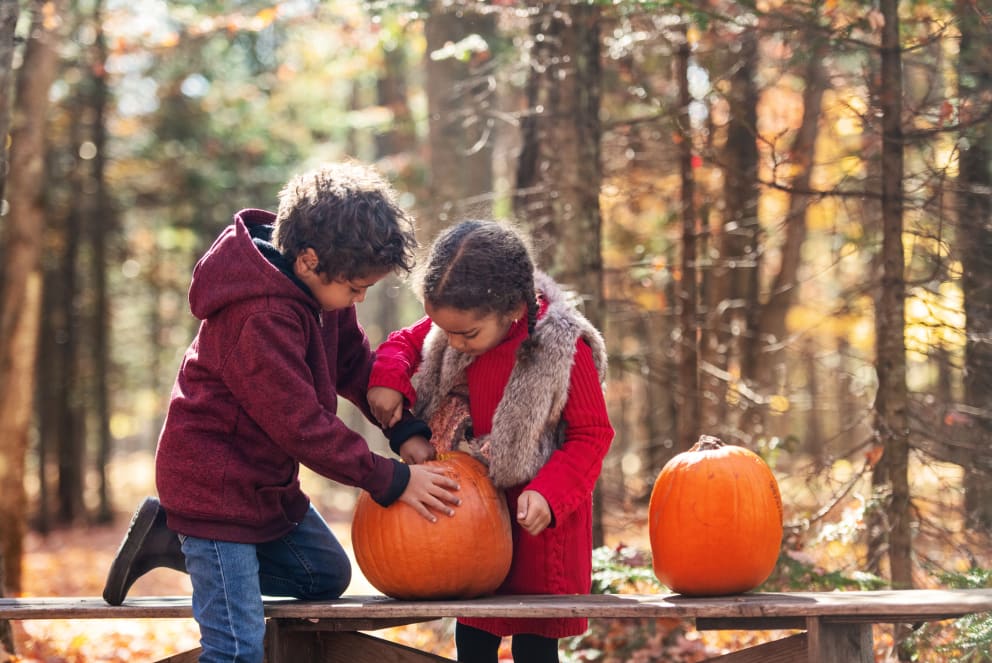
point(533, 512)
point(417, 449)
point(386, 405)
point(429, 490)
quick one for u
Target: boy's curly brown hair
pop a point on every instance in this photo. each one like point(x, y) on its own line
point(347, 213)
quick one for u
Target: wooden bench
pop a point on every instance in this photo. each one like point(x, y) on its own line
point(836, 627)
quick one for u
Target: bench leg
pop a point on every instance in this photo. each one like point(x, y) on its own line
point(288, 645)
point(832, 642)
point(791, 649)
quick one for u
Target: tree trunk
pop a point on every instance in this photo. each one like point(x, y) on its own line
point(69, 440)
point(61, 398)
point(9, 10)
point(7, 646)
point(391, 92)
point(772, 331)
point(891, 418)
point(814, 425)
point(460, 100)
point(49, 378)
point(20, 302)
point(975, 222)
point(559, 170)
point(733, 304)
point(687, 392)
point(657, 378)
point(100, 225)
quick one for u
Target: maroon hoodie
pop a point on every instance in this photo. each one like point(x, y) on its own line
point(256, 395)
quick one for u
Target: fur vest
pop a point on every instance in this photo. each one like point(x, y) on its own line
point(527, 426)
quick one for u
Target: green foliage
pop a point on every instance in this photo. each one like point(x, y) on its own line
point(770, 449)
point(965, 640)
point(793, 572)
point(974, 578)
point(626, 569)
point(622, 569)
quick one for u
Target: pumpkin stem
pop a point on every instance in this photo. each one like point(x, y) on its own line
point(707, 443)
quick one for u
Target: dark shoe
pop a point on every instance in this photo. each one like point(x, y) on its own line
point(148, 544)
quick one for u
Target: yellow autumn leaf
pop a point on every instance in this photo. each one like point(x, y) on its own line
point(267, 15)
point(778, 403)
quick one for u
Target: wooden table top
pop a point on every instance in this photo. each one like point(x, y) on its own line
point(877, 606)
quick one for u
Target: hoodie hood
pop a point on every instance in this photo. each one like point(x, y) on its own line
point(234, 268)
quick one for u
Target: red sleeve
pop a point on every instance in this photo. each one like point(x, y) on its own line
point(567, 479)
point(398, 358)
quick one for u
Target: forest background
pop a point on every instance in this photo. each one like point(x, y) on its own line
point(778, 212)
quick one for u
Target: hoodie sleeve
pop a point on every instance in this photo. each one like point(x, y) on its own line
point(354, 365)
point(352, 355)
point(398, 358)
point(269, 351)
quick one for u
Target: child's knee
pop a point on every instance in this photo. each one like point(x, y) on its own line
point(332, 581)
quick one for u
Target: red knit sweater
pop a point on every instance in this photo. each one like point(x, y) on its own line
point(559, 559)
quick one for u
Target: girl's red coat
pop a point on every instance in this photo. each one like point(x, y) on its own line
point(559, 559)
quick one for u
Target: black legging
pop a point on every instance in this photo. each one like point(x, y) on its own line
point(478, 646)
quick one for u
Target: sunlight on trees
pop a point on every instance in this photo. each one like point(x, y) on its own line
point(494, 109)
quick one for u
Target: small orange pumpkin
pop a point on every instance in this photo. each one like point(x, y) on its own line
point(715, 520)
point(405, 556)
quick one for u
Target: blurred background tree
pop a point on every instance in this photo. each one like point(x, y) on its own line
point(778, 212)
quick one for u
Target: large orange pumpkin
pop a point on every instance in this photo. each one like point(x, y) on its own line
point(405, 556)
point(715, 520)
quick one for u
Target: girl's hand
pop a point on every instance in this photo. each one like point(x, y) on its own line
point(533, 512)
point(386, 405)
point(429, 491)
point(417, 449)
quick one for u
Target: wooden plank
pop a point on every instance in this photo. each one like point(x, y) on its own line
point(787, 650)
point(874, 606)
point(833, 642)
point(890, 618)
point(750, 623)
point(191, 656)
point(289, 646)
point(370, 624)
point(159, 607)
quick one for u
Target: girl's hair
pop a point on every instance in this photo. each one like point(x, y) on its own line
point(480, 266)
point(348, 214)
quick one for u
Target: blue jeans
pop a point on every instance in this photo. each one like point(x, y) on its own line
point(229, 580)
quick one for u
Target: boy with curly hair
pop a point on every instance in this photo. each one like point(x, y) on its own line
point(256, 396)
